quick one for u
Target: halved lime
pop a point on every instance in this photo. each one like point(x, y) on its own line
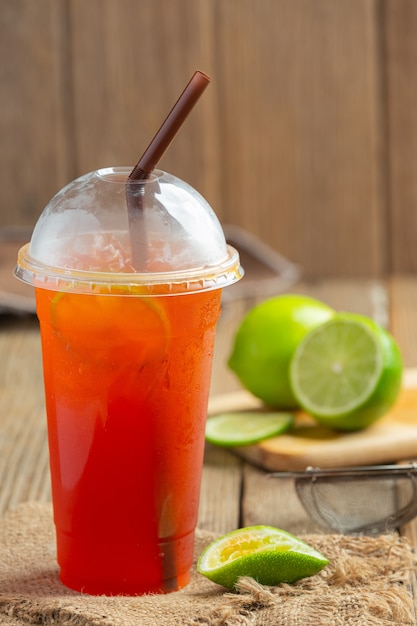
point(244, 428)
point(269, 555)
point(347, 372)
point(266, 341)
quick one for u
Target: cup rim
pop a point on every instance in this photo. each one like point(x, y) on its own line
point(38, 274)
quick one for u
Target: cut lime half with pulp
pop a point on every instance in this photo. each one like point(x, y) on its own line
point(265, 342)
point(269, 555)
point(241, 429)
point(347, 372)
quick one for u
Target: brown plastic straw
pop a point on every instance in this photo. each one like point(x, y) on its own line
point(170, 126)
point(137, 226)
point(147, 163)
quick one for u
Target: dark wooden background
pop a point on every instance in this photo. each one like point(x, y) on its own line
point(307, 136)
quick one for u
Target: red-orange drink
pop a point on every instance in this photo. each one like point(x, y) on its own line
point(127, 383)
point(128, 296)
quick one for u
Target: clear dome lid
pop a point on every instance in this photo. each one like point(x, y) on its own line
point(100, 231)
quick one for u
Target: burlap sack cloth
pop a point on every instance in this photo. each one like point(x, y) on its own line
point(366, 584)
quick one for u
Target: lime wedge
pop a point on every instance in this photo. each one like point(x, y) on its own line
point(241, 429)
point(269, 555)
point(347, 372)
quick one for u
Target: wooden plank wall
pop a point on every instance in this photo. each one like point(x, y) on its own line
point(307, 136)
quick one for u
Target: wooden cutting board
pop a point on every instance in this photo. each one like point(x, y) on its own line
point(393, 438)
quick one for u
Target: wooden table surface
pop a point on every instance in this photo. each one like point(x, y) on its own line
point(234, 493)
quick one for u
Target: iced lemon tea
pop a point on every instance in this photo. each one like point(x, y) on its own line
point(127, 383)
point(127, 312)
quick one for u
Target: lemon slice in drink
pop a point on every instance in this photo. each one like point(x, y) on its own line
point(269, 555)
point(241, 429)
point(347, 372)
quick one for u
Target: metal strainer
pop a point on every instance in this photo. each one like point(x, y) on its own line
point(358, 500)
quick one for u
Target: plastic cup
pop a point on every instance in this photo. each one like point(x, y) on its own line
point(127, 356)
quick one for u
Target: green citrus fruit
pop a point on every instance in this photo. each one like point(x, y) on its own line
point(241, 429)
point(269, 555)
point(266, 341)
point(347, 372)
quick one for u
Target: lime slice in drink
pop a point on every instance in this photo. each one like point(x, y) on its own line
point(116, 313)
point(269, 555)
point(113, 325)
point(241, 429)
point(347, 372)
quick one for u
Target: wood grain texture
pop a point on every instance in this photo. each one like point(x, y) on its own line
point(24, 462)
point(300, 129)
point(130, 62)
point(35, 153)
point(274, 502)
point(221, 483)
point(289, 141)
point(403, 299)
point(401, 100)
point(363, 296)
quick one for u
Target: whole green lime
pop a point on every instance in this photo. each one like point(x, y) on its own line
point(347, 372)
point(266, 340)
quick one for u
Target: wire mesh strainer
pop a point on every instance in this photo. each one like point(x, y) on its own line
point(358, 500)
